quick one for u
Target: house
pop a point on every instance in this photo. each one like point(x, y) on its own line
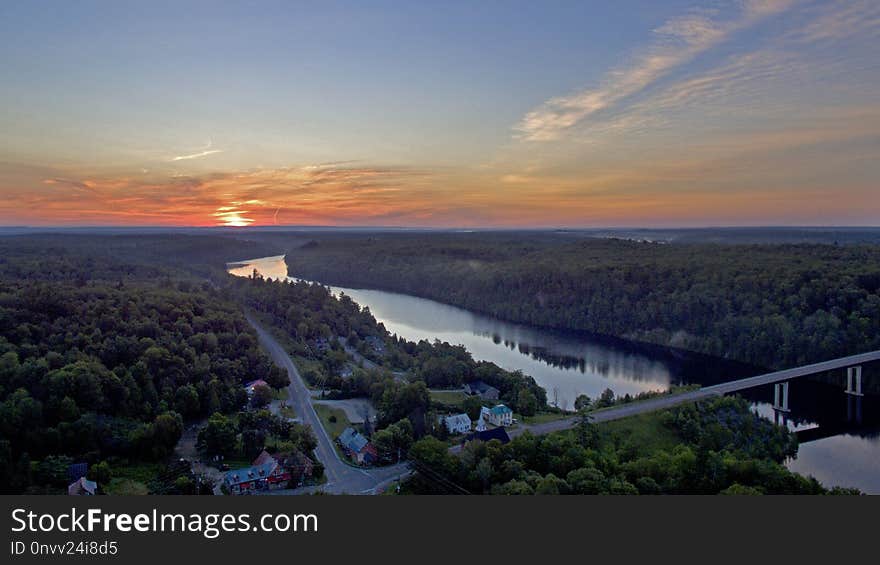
point(292, 466)
point(357, 447)
point(250, 479)
point(500, 415)
point(488, 435)
point(82, 487)
point(266, 472)
point(458, 423)
point(481, 389)
point(263, 458)
point(249, 387)
point(298, 464)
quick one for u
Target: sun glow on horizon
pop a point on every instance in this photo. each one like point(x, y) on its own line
point(232, 218)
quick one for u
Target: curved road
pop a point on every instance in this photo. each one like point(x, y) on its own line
point(341, 477)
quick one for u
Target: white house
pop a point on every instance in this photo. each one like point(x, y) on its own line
point(458, 423)
point(500, 415)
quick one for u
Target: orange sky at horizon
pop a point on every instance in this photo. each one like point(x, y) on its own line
point(369, 196)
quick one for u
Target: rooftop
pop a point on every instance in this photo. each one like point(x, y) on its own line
point(253, 473)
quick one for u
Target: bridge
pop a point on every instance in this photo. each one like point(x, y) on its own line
point(780, 380)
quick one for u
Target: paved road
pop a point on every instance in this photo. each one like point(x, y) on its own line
point(341, 477)
point(617, 412)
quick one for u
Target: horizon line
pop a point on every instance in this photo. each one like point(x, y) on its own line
point(440, 228)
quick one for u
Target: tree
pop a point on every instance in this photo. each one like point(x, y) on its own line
point(433, 454)
point(394, 441)
point(586, 480)
point(167, 429)
point(526, 403)
point(738, 489)
point(586, 431)
point(514, 487)
point(472, 406)
point(606, 399)
point(252, 442)
point(186, 401)
point(582, 402)
point(68, 411)
point(262, 396)
point(184, 485)
point(551, 484)
point(218, 436)
point(101, 473)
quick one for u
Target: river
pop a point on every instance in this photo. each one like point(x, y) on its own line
point(567, 364)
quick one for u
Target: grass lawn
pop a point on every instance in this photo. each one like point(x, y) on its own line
point(287, 412)
point(281, 394)
point(449, 397)
point(126, 487)
point(645, 432)
point(333, 428)
point(541, 417)
point(132, 478)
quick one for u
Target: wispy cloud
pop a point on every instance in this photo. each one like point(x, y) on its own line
point(677, 41)
point(207, 150)
point(197, 155)
point(841, 19)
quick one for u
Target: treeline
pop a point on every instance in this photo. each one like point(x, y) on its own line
point(101, 362)
point(713, 447)
point(770, 305)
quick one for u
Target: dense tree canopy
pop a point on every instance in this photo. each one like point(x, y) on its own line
point(768, 304)
point(103, 358)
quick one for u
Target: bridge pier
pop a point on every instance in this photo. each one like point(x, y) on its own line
point(854, 409)
point(780, 397)
point(854, 377)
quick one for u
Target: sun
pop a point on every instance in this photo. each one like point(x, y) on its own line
point(232, 217)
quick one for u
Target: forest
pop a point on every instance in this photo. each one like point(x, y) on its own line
point(772, 305)
point(105, 360)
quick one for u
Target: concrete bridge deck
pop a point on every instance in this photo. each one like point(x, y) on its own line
point(668, 401)
point(788, 374)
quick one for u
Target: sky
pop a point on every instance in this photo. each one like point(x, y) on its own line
point(453, 114)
